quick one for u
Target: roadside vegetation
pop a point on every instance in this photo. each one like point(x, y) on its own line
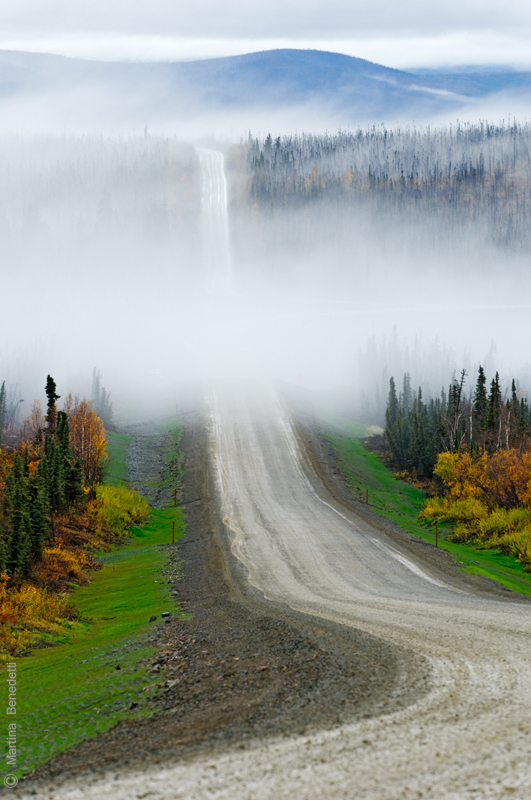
point(54, 515)
point(473, 455)
point(400, 501)
point(77, 621)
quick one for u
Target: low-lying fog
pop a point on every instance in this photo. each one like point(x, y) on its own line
point(163, 266)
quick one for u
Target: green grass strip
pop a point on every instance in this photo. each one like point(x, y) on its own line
point(116, 467)
point(401, 502)
point(73, 689)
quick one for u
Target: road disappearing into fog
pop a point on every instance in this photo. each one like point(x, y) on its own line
point(467, 737)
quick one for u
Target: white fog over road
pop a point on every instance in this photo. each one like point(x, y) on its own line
point(468, 737)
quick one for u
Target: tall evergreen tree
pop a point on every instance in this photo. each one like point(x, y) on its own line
point(395, 430)
point(51, 398)
point(479, 403)
point(391, 414)
point(516, 423)
point(494, 403)
point(56, 478)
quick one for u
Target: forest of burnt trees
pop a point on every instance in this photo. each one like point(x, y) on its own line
point(448, 177)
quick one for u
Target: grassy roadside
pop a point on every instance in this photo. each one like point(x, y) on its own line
point(401, 502)
point(94, 674)
point(116, 467)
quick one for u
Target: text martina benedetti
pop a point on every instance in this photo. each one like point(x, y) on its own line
point(12, 710)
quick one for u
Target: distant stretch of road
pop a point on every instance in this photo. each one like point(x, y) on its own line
point(468, 737)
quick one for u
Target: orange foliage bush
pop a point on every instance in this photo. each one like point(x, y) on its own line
point(61, 566)
point(489, 497)
point(501, 479)
point(87, 437)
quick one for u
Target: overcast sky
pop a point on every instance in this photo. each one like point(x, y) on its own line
point(411, 34)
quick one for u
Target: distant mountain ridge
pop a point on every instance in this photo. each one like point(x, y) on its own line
point(275, 79)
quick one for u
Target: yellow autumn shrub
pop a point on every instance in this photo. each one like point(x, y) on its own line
point(27, 610)
point(119, 508)
point(487, 498)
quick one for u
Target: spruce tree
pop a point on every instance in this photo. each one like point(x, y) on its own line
point(52, 397)
point(395, 431)
point(479, 407)
point(517, 427)
point(55, 478)
point(494, 402)
point(391, 414)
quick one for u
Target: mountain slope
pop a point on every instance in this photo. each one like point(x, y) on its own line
point(353, 89)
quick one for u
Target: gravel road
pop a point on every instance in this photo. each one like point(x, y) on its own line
point(293, 543)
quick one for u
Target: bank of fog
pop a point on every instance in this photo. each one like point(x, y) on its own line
point(413, 241)
point(354, 257)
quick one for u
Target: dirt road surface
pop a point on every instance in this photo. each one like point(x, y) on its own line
point(289, 540)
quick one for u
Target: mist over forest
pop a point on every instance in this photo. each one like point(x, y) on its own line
point(426, 229)
point(354, 256)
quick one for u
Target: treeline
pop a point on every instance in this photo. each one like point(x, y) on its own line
point(482, 421)
point(465, 173)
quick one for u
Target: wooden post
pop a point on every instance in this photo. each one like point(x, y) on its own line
point(436, 533)
point(366, 497)
point(173, 532)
